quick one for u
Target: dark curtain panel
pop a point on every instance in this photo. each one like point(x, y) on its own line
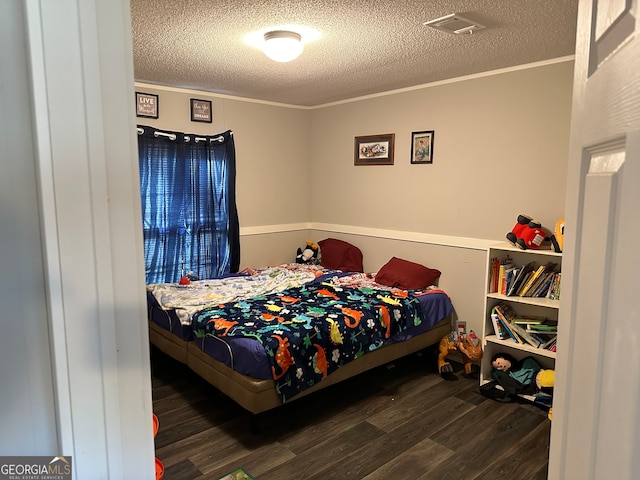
point(190, 221)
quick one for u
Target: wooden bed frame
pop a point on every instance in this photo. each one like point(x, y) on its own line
point(258, 396)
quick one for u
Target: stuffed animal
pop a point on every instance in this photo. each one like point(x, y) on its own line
point(468, 345)
point(188, 278)
point(527, 233)
point(557, 239)
point(545, 381)
point(512, 377)
point(308, 254)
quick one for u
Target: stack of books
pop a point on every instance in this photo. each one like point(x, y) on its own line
point(530, 280)
point(535, 331)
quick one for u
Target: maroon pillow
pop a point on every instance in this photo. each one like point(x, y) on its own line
point(406, 275)
point(340, 255)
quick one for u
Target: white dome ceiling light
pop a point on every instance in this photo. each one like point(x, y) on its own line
point(282, 45)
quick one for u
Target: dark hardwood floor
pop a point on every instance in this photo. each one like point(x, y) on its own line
point(398, 421)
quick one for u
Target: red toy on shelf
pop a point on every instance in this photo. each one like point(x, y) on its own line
point(527, 233)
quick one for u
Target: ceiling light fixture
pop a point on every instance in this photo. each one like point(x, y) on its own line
point(282, 45)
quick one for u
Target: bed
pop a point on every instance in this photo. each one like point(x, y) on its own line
point(171, 306)
point(272, 347)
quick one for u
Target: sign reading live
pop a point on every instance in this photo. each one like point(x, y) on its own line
point(35, 468)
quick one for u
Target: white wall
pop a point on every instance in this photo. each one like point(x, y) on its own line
point(28, 415)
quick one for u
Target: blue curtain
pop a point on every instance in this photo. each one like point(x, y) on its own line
point(190, 220)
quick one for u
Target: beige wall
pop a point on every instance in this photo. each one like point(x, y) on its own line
point(462, 268)
point(501, 143)
point(272, 145)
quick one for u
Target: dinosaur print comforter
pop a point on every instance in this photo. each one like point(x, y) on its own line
point(310, 331)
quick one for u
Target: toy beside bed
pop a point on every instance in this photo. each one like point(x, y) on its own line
point(265, 347)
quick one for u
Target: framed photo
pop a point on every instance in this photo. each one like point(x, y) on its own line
point(374, 149)
point(146, 105)
point(201, 111)
point(422, 146)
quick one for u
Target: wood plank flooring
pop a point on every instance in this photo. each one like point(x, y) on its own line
point(398, 421)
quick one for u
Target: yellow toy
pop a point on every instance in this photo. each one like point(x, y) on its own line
point(557, 239)
point(545, 380)
point(468, 345)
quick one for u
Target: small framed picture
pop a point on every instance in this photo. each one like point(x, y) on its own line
point(146, 105)
point(374, 149)
point(201, 111)
point(422, 146)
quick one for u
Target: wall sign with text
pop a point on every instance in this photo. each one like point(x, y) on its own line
point(201, 111)
point(146, 105)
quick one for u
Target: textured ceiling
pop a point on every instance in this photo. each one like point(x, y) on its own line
point(351, 48)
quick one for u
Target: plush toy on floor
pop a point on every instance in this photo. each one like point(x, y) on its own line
point(309, 254)
point(468, 345)
point(511, 377)
point(545, 381)
point(527, 233)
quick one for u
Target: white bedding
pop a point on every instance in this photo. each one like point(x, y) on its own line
point(188, 299)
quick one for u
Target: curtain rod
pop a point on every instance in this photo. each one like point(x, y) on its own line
point(172, 136)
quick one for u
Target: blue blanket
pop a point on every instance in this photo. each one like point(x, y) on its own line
point(310, 331)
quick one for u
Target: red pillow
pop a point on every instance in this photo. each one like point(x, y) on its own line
point(406, 275)
point(340, 255)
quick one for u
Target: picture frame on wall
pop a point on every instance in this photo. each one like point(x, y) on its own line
point(146, 105)
point(422, 147)
point(374, 149)
point(201, 111)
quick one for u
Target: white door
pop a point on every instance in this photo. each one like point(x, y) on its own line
point(595, 431)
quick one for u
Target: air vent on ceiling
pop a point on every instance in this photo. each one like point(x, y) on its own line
point(454, 23)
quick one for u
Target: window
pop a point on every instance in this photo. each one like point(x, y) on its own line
point(190, 221)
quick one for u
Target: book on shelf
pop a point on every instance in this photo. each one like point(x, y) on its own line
point(550, 326)
point(540, 339)
point(503, 311)
point(505, 265)
point(508, 317)
point(534, 290)
point(531, 278)
point(508, 279)
point(529, 320)
point(527, 337)
point(535, 277)
point(494, 271)
point(519, 280)
point(511, 334)
point(498, 328)
point(554, 288)
point(543, 286)
point(550, 343)
point(498, 270)
point(557, 292)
